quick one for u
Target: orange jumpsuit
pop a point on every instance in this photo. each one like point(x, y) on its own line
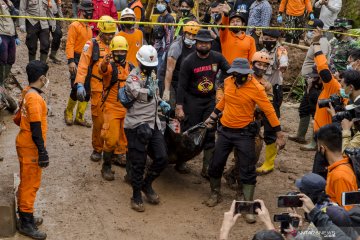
point(96, 88)
point(78, 34)
point(135, 41)
point(137, 8)
point(114, 112)
point(33, 110)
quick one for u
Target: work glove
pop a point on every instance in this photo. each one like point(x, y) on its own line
point(80, 93)
point(43, 159)
point(17, 41)
point(53, 28)
point(312, 16)
point(151, 89)
point(23, 29)
point(166, 95)
point(279, 18)
point(165, 107)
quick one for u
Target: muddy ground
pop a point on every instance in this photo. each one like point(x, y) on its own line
point(77, 204)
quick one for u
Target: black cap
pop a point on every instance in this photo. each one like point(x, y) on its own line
point(240, 65)
point(311, 183)
point(203, 35)
point(238, 14)
point(342, 23)
point(272, 33)
point(86, 5)
point(315, 23)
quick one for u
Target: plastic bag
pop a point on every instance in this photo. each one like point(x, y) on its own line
point(183, 147)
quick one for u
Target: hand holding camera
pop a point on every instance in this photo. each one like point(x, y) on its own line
point(229, 221)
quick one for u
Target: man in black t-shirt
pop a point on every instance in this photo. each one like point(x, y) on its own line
point(195, 98)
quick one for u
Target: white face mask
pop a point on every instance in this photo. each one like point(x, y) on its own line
point(189, 42)
point(46, 84)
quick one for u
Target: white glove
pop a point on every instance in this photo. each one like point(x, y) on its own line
point(23, 29)
point(166, 95)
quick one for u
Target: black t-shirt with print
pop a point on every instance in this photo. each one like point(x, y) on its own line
point(197, 75)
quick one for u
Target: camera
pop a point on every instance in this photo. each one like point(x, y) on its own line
point(285, 220)
point(348, 114)
point(335, 100)
point(350, 198)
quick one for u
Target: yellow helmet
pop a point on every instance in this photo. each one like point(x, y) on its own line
point(107, 27)
point(191, 27)
point(119, 43)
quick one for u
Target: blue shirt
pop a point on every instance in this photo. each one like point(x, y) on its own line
point(260, 14)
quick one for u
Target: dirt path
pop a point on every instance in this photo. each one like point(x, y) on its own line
point(77, 204)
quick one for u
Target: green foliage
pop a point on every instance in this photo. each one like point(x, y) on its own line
point(299, 90)
point(350, 9)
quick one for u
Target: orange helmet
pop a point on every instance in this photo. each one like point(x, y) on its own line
point(261, 57)
point(191, 27)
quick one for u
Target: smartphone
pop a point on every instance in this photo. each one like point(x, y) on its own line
point(246, 207)
point(350, 198)
point(289, 201)
point(281, 217)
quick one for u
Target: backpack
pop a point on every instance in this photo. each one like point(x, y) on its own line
point(114, 80)
point(354, 156)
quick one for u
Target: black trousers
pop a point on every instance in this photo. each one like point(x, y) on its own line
point(138, 147)
point(197, 110)
point(35, 33)
point(56, 37)
point(308, 103)
point(278, 98)
point(244, 143)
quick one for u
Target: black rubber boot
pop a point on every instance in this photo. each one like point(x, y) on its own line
point(208, 154)
point(215, 195)
point(95, 156)
point(43, 57)
point(137, 202)
point(27, 226)
point(106, 172)
point(32, 57)
point(151, 196)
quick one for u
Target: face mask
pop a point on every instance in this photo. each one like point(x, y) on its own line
point(189, 42)
point(241, 78)
point(258, 72)
point(343, 94)
point(269, 45)
point(129, 26)
point(147, 70)
point(120, 59)
point(235, 30)
point(349, 67)
point(203, 51)
point(185, 12)
point(322, 159)
point(46, 84)
point(88, 14)
point(161, 7)
point(338, 36)
point(310, 34)
point(216, 17)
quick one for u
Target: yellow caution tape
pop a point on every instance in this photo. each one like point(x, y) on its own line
point(177, 24)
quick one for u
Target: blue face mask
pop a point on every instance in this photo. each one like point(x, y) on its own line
point(161, 7)
point(349, 67)
point(310, 34)
point(343, 94)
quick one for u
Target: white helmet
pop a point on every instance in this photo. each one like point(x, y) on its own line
point(147, 56)
point(127, 12)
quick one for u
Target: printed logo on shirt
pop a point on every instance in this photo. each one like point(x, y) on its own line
point(202, 69)
point(205, 85)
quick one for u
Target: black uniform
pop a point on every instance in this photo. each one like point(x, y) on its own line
point(196, 89)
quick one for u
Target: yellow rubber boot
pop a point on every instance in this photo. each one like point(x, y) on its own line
point(270, 155)
point(80, 115)
point(68, 114)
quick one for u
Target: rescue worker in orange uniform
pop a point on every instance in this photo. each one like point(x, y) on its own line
point(238, 129)
point(330, 86)
point(114, 77)
point(31, 147)
point(133, 36)
point(138, 9)
point(78, 34)
point(89, 83)
point(234, 41)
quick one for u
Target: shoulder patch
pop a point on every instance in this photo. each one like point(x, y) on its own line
point(86, 46)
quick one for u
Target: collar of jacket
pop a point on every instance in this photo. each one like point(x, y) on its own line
point(338, 163)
